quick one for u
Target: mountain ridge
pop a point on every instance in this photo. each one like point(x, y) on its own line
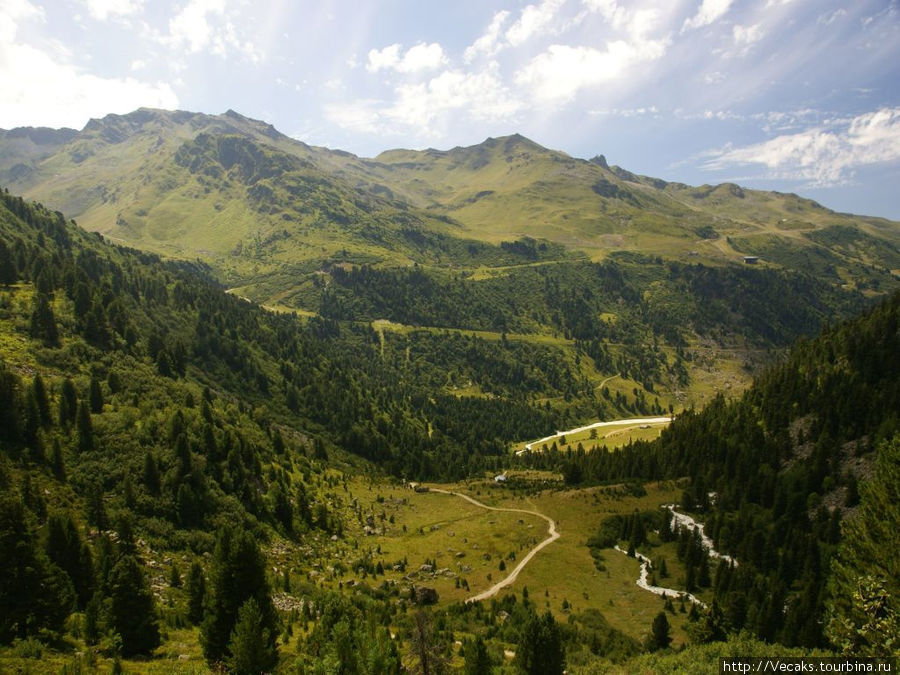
point(289, 203)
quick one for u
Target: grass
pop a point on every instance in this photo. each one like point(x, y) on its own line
point(565, 570)
point(439, 527)
point(609, 438)
point(460, 537)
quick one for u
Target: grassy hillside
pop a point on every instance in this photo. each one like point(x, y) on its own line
point(268, 212)
point(164, 444)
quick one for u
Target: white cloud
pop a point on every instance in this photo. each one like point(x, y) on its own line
point(830, 17)
point(106, 9)
point(826, 155)
point(208, 25)
point(709, 12)
point(417, 58)
point(40, 91)
point(42, 88)
point(383, 59)
point(427, 107)
point(559, 73)
point(138, 64)
point(747, 35)
point(489, 43)
point(12, 12)
point(481, 95)
point(533, 19)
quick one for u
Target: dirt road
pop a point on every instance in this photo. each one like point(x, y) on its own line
point(511, 577)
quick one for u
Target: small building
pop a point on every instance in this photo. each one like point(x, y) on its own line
point(751, 259)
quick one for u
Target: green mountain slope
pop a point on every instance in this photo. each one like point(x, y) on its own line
point(774, 473)
point(268, 211)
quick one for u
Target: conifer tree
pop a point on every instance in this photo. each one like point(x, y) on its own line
point(130, 609)
point(251, 647)
point(237, 573)
point(43, 322)
point(34, 593)
point(96, 396)
point(540, 650)
point(8, 273)
point(68, 403)
point(660, 637)
point(84, 428)
point(196, 589)
point(477, 659)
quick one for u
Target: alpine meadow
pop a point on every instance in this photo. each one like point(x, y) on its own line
point(272, 407)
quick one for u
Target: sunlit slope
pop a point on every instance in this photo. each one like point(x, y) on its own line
point(224, 188)
point(260, 205)
point(506, 187)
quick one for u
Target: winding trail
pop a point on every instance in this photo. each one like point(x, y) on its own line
point(511, 577)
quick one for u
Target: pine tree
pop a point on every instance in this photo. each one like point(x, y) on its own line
point(660, 637)
point(251, 647)
point(84, 428)
point(96, 396)
point(237, 573)
point(130, 610)
point(43, 322)
point(540, 650)
point(196, 589)
point(478, 661)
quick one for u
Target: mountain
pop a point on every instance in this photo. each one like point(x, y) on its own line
point(269, 212)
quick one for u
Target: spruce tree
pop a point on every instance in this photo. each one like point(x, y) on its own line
point(8, 273)
point(96, 396)
point(251, 647)
point(68, 403)
point(35, 594)
point(660, 637)
point(84, 428)
point(478, 662)
point(540, 650)
point(237, 573)
point(43, 322)
point(130, 610)
point(196, 589)
point(863, 616)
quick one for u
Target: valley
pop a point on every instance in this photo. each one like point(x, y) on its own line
point(307, 462)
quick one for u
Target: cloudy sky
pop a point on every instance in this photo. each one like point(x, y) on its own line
point(795, 95)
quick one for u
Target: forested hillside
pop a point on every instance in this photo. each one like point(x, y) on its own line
point(146, 416)
point(775, 476)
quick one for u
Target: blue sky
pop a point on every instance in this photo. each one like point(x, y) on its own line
point(794, 95)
